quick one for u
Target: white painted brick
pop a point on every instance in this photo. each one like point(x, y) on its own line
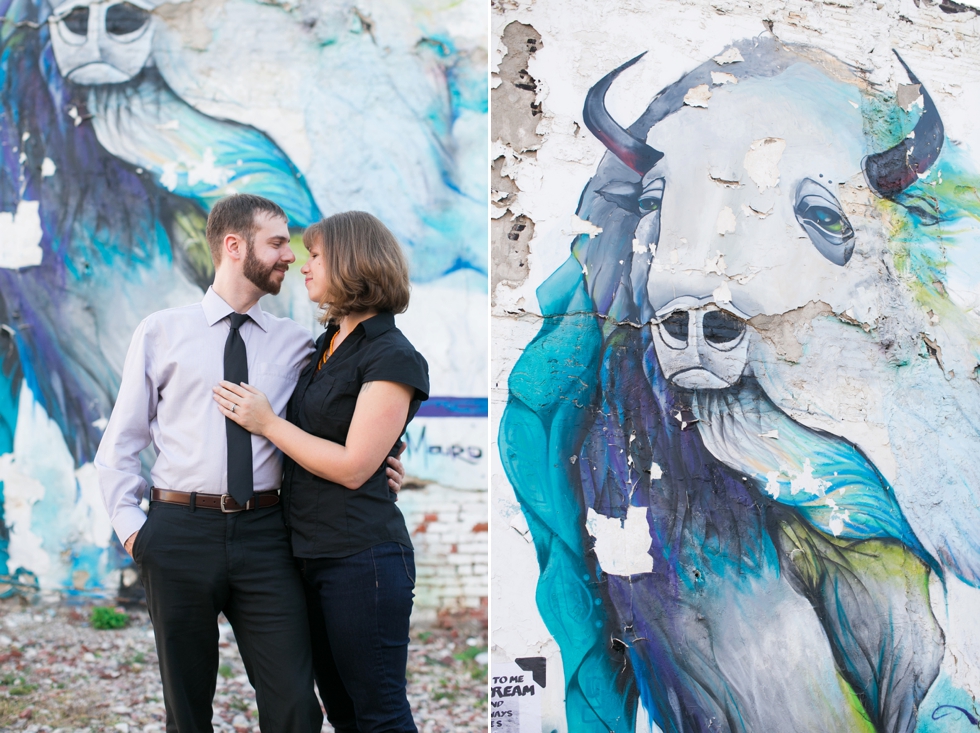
point(477, 549)
point(438, 548)
point(448, 578)
point(440, 525)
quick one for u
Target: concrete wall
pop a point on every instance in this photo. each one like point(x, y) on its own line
point(123, 124)
point(734, 481)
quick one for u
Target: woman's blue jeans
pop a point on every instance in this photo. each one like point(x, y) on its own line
point(359, 608)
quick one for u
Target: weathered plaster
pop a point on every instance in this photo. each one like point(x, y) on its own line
point(513, 132)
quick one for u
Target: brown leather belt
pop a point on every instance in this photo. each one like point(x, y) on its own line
point(225, 503)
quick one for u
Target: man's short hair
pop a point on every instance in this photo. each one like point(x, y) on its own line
point(366, 269)
point(236, 214)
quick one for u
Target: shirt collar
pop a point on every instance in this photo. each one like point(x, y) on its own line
point(379, 324)
point(215, 309)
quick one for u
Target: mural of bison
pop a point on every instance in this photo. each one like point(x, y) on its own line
point(745, 441)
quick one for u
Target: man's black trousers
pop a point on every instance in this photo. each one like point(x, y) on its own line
point(196, 564)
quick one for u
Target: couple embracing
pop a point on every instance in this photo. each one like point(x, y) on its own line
point(286, 525)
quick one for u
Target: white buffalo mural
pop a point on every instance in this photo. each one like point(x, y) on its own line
point(746, 440)
point(122, 123)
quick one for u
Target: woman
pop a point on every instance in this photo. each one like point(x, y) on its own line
point(350, 406)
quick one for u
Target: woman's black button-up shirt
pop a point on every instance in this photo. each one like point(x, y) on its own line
point(327, 519)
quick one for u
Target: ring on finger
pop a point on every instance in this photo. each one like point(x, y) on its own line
point(233, 406)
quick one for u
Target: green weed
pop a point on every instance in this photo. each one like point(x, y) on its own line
point(468, 658)
point(105, 618)
point(470, 653)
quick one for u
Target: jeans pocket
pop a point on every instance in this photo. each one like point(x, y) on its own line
point(408, 560)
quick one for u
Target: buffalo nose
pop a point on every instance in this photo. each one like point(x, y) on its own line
point(722, 328)
point(701, 348)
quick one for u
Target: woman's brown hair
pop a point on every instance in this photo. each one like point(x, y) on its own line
point(366, 269)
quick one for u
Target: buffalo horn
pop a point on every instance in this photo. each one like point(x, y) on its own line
point(635, 153)
point(892, 171)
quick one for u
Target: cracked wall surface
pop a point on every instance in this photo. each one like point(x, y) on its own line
point(121, 125)
point(735, 354)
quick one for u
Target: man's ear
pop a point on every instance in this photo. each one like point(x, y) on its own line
point(234, 246)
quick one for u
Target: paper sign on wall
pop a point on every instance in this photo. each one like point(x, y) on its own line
point(515, 695)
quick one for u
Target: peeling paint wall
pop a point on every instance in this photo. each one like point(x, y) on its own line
point(123, 123)
point(734, 367)
point(513, 128)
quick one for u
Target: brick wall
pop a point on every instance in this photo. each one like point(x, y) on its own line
point(449, 531)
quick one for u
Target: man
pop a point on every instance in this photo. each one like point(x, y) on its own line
point(214, 539)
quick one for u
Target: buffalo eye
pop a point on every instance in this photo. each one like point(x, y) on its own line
point(827, 219)
point(651, 196)
point(648, 204)
point(822, 217)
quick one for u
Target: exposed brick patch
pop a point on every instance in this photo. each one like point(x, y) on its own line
point(426, 521)
point(451, 548)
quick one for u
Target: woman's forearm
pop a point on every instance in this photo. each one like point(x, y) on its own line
point(321, 457)
point(379, 418)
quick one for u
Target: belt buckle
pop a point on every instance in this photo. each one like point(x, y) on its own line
point(226, 510)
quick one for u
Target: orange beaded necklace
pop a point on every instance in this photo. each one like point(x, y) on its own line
point(328, 352)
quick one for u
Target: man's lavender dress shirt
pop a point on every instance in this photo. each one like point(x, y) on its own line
point(175, 359)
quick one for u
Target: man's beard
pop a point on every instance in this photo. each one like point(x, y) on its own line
point(259, 274)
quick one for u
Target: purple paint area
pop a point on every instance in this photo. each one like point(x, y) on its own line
point(454, 407)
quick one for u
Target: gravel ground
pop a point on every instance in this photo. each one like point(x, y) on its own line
point(58, 673)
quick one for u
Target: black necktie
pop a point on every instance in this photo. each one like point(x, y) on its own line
point(239, 439)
